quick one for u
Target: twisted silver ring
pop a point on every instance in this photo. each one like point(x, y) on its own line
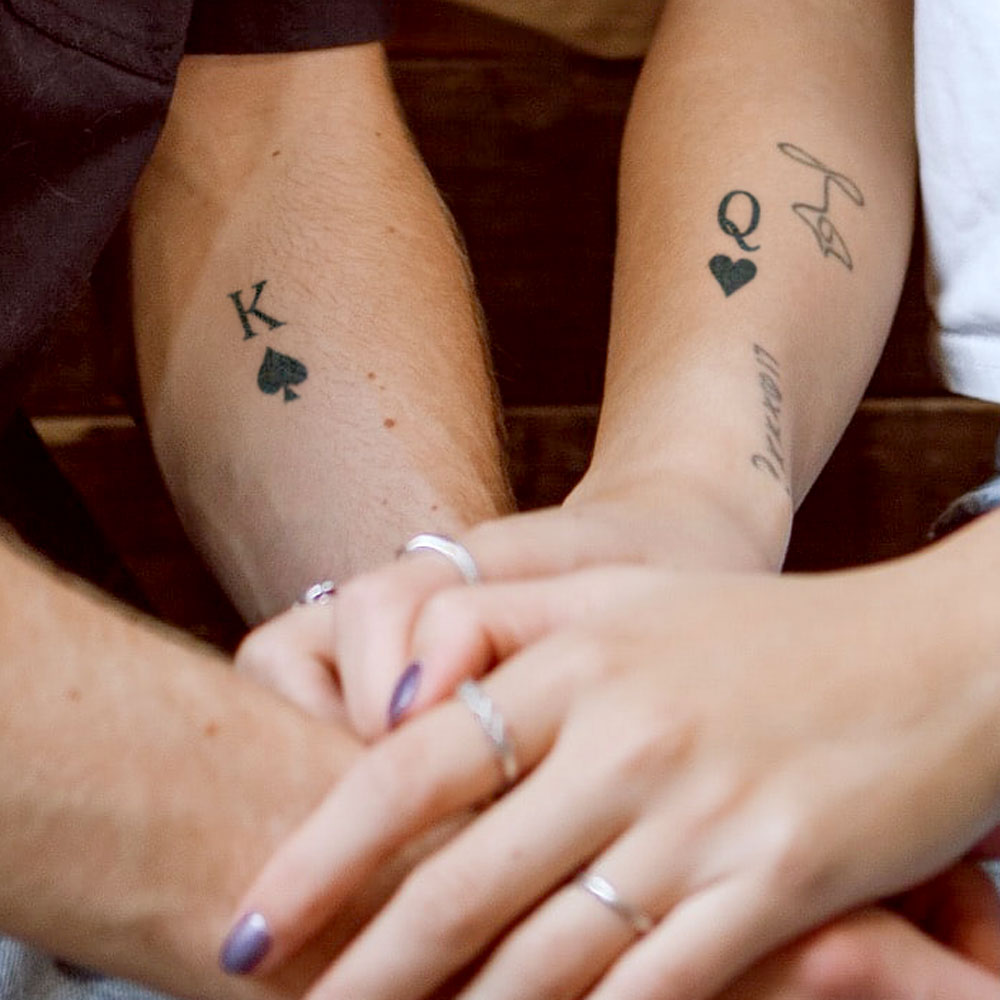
point(474, 697)
point(604, 892)
point(319, 593)
point(455, 552)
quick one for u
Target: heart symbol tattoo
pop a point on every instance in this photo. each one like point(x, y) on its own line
point(278, 372)
point(732, 275)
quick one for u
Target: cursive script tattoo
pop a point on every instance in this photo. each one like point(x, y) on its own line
point(817, 217)
point(772, 459)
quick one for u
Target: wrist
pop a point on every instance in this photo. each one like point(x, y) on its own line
point(690, 519)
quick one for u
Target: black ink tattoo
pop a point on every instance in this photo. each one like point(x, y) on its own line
point(731, 274)
point(816, 217)
point(245, 313)
point(730, 228)
point(772, 459)
point(280, 372)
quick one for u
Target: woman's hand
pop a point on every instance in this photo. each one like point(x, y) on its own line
point(742, 757)
point(355, 654)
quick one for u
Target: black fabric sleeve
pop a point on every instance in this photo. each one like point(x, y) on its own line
point(84, 91)
point(241, 26)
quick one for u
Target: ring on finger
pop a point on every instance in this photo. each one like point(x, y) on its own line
point(455, 552)
point(484, 710)
point(319, 593)
point(604, 892)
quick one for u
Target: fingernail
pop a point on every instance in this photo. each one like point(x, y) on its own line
point(248, 942)
point(404, 693)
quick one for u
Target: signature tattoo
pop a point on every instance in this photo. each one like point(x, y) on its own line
point(245, 313)
point(816, 217)
point(772, 459)
point(278, 372)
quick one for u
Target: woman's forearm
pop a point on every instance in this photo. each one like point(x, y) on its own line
point(767, 194)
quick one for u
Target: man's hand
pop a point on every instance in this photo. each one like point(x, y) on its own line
point(952, 953)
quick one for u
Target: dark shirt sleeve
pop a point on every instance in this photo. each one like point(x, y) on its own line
point(241, 26)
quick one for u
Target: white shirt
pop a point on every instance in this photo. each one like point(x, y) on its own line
point(958, 128)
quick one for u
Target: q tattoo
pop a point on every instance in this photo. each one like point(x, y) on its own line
point(278, 372)
point(733, 275)
point(817, 217)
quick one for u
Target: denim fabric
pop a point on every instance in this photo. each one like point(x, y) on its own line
point(26, 974)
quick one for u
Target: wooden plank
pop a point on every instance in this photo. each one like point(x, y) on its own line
point(434, 28)
point(111, 464)
point(899, 465)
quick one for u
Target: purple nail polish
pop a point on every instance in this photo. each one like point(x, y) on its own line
point(248, 942)
point(404, 693)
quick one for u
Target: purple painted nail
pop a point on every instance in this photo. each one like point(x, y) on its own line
point(404, 693)
point(248, 942)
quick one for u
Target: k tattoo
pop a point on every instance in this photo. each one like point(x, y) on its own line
point(278, 372)
point(733, 275)
point(817, 217)
point(245, 313)
point(772, 459)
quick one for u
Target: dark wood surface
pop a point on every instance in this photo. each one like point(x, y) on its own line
point(522, 136)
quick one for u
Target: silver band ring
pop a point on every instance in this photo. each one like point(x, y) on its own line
point(604, 892)
point(484, 710)
point(455, 552)
point(319, 593)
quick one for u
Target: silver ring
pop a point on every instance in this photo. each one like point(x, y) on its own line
point(604, 892)
point(455, 552)
point(485, 712)
point(319, 593)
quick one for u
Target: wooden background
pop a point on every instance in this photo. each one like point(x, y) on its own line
point(522, 137)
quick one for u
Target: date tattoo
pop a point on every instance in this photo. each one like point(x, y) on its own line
point(817, 217)
point(772, 459)
point(278, 372)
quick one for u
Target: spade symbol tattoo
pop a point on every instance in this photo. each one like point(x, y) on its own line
point(279, 371)
point(732, 275)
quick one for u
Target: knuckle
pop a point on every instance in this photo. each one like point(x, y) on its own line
point(584, 659)
point(445, 893)
point(449, 615)
point(396, 776)
point(798, 866)
point(384, 776)
point(367, 597)
point(839, 963)
point(447, 608)
point(260, 652)
point(639, 745)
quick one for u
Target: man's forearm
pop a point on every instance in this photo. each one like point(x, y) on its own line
point(308, 340)
point(766, 211)
point(141, 787)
